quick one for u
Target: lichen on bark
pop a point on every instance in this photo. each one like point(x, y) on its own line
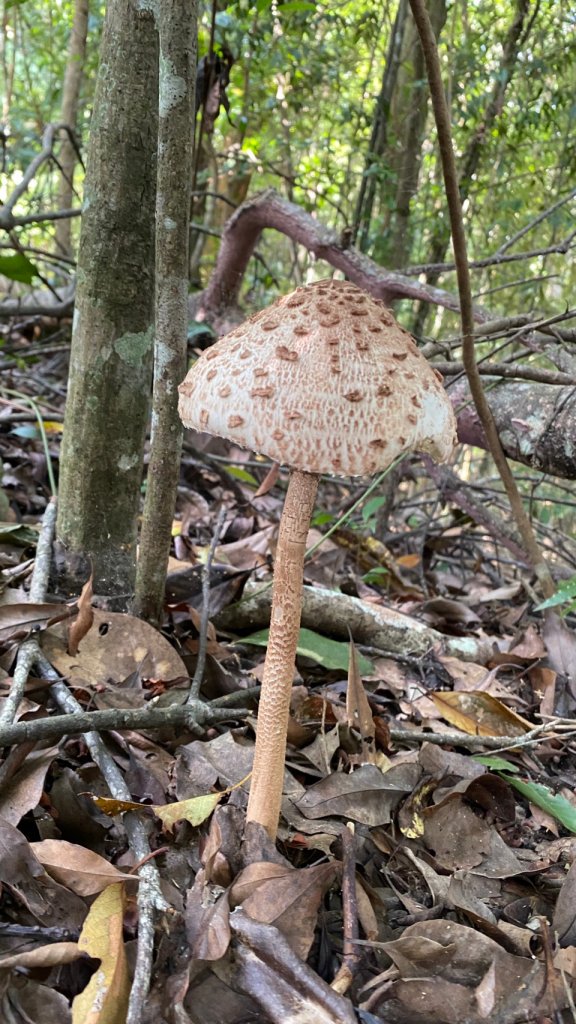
point(112, 344)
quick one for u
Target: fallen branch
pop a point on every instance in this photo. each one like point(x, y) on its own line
point(336, 614)
point(496, 744)
point(535, 423)
point(28, 651)
point(192, 716)
point(511, 370)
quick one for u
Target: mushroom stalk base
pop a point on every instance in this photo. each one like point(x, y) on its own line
point(269, 756)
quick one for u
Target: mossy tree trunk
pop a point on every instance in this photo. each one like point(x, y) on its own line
point(112, 343)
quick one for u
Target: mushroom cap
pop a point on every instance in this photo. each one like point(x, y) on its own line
point(324, 381)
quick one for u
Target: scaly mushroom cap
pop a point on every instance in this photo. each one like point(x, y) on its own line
point(324, 381)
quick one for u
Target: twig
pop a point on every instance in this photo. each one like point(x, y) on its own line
point(45, 215)
point(151, 901)
point(490, 261)
point(351, 955)
point(451, 185)
point(537, 220)
point(204, 616)
point(495, 744)
point(192, 715)
point(514, 370)
point(14, 307)
point(29, 649)
point(7, 219)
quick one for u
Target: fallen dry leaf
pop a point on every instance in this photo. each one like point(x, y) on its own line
point(358, 708)
point(22, 792)
point(105, 998)
point(207, 919)
point(79, 869)
point(116, 646)
point(367, 795)
point(23, 875)
point(479, 714)
point(83, 621)
point(449, 973)
point(18, 620)
point(283, 896)
point(53, 955)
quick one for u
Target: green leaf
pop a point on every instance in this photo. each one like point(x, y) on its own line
point(375, 575)
point(321, 518)
point(18, 268)
point(371, 507)
point(242, 474)
point(16, 533)
point(293, 6)
point(497, 763)
point(566, 592)
point(333, 654)
point(556, 806)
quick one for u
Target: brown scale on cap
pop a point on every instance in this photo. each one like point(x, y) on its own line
point(325, 346)
point(290, 355)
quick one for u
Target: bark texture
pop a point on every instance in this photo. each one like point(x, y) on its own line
point(111, 357)
point(177, 29)
point(536, 423)
point(379, 136)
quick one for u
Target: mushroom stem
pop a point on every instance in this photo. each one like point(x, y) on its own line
point(269, 756)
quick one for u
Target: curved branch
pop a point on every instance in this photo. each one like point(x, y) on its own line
point(270, 210)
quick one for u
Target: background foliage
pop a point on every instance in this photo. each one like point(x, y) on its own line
point(302, 96)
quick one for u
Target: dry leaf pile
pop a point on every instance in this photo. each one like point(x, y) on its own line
point(425, 869)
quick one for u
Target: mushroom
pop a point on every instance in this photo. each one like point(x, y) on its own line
point(323, 381)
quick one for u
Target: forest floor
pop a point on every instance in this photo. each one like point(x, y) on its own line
point(424, 871)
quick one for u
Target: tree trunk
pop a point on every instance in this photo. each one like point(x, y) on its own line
point(367, 194)
point(69, 116)
point(177, 28)
point(111, 357)
point(402, 155)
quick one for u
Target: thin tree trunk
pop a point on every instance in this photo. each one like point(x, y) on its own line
point(402, 156)
point(111, 357)
point(69, 116)
point(368, 187)
point(177, 29)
